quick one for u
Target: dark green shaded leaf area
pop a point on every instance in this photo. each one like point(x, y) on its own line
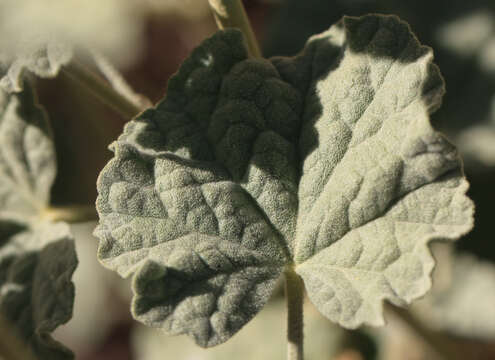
point(325, 162)
point(37, 257)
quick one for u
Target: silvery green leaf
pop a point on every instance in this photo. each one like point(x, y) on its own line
point(210, 252)
point(367, 213)
point(326, 162)
point(44, 60)
point(37, 257)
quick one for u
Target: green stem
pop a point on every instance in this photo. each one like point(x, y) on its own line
point(231, 14)
point(444, 347)
point(70, 214)
point(118, 82)
point(294, 293)
point(100, 89)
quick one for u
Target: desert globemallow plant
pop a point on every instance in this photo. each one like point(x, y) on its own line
point(322, 168)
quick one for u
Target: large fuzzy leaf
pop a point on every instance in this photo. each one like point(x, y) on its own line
point(37, 257)
point(37, 294)
point(325, 162)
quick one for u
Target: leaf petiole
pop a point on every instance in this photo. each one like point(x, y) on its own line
point(117, 81)
point(70, 214)
point(82, 76)
point(294, 294)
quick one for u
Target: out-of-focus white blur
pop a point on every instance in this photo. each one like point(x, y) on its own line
point(114, 28)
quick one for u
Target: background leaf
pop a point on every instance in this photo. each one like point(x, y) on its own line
point(35, 281)
point(37, 257)
point(27, 155)
point(43, 60)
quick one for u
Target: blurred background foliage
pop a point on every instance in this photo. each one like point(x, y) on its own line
point(147, 40)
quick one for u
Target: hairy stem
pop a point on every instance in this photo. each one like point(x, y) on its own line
point(231, 14)
point(70, 214)
point(294, 293)
point(118, 82)
point(79, 74)
point(444, 347)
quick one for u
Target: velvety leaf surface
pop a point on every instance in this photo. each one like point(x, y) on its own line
point(37, 257)
point(43, 60)
point(393, 184)
point(36, 292)
point(325, 161)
